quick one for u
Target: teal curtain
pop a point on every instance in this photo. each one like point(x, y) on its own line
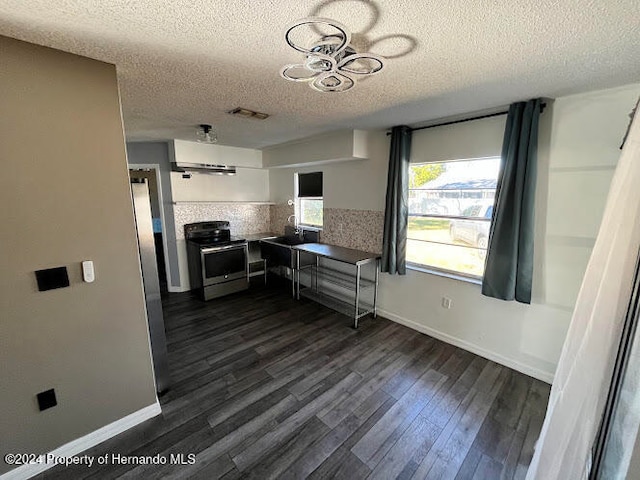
point(509, 263)
point(396, 214)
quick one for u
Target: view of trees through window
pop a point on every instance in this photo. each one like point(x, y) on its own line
point(450, 211)
point(311, 211)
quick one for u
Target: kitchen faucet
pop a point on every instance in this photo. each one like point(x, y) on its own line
point(295, 223)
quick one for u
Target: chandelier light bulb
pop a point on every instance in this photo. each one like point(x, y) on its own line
point(330, 60)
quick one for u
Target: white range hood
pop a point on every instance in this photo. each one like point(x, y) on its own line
point(194, 157)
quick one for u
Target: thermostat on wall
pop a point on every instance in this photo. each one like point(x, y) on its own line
point(87, 271)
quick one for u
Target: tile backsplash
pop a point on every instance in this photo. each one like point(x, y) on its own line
point(359, 229)
point(279, 214)
point(243, 218)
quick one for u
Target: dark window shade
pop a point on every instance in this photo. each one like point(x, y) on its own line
point(310, 184)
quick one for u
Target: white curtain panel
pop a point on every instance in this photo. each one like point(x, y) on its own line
point(626, 420)
point(581, 383)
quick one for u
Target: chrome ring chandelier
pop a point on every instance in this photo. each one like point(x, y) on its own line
point(330, 59)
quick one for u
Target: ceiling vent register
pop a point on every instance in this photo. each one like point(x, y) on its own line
point(246, 113)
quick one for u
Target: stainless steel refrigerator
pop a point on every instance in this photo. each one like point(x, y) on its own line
point(146, 245)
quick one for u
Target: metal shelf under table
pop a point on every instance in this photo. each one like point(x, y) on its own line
point(354, 282)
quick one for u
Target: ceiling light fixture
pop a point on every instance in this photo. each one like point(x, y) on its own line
point(330, 59)
point(205, 134)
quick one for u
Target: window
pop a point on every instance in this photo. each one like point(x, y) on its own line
point(311, 211)
point(309, 203)
point(450, 211)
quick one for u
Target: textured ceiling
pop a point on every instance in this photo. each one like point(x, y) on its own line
point(181, 63)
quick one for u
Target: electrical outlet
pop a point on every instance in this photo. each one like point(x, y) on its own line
point(446, 302)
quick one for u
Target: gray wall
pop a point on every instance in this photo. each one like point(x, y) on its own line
point(158, 153)
point(65, 198)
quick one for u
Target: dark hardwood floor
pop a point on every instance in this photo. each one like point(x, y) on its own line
point(268, 387)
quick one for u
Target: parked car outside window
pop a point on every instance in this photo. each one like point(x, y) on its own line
point(473, 230)
point(450, 209)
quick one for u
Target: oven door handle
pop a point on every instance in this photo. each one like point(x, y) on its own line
point(220, 249)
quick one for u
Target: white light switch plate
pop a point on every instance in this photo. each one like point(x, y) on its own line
point(446, 302)
point(88, 273)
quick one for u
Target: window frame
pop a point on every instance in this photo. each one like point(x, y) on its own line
point(440, 271)
point(298, 206)
point(299, 212)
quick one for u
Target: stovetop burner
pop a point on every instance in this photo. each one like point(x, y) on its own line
point(209, 234)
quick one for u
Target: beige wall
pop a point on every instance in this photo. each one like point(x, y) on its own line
point(65, 198)
point(578, 150)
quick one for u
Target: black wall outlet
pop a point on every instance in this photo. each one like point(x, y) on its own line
point(47, 399)
point(52, 278)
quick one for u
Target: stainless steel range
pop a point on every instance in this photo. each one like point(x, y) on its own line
point(218, 262)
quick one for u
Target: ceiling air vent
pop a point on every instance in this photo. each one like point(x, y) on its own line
point(246, 113)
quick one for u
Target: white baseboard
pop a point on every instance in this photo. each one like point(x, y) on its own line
point(445, 337)
point(173, 289)
point(81, 444)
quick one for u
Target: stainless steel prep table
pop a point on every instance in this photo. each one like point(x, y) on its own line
point(349, 256)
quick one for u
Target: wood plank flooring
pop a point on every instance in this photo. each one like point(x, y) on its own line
point(267, 387)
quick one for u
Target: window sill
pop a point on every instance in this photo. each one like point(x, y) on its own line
point(444, 273)
point(311, 228)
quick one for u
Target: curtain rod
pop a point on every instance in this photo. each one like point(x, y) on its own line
point(479, 117)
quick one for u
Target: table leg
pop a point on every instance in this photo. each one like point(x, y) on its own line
point(264, 265)
point(357, 302)
point(297, 284)
point(375, 289)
